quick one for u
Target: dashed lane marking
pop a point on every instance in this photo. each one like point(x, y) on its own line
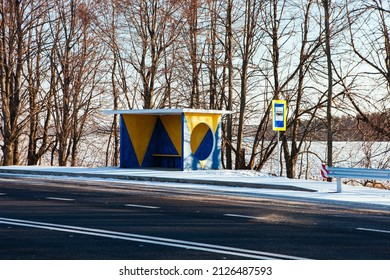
point(244, 216)
point(142, 206)
point(240, 216)
point(374, 230)
point(60, 198)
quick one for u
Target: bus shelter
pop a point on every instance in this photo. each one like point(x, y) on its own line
point(180, 139)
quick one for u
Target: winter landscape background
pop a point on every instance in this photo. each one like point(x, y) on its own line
point(63, 62)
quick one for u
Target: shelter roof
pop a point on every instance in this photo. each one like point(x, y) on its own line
point(165, 111)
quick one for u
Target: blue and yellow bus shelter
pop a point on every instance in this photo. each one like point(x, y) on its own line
point(183, 139)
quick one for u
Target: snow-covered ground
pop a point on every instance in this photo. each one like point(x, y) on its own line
point(247, 183)
point(356, 154)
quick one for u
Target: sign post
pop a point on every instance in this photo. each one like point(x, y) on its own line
point(279, 117)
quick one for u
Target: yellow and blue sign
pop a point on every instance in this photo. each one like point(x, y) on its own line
point(170, 138)
point(279, 115)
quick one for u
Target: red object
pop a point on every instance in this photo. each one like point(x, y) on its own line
point(324, 171)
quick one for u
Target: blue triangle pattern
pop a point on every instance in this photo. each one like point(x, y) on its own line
point(128, 158)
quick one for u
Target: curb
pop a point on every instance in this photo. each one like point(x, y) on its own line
point(155, 179)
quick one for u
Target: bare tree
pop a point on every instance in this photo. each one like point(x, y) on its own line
point(12, 14)
point(63, 28)
point(154, 26)
point(87, 74)
point(212, 55)
point(326, 4)
point(74, 62)
point(370, 41)
point(37, 66)
point(249, 46)
point(298, 132)
point(192, 19)
point(107, 21)
point(229, 102)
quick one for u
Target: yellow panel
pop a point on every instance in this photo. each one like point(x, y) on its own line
point(193, 119)
point(279, 115)
point(172, 124)
point(197, 136)
point(140, 128)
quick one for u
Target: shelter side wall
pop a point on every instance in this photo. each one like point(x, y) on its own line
point(202, 141)
point(151, 141)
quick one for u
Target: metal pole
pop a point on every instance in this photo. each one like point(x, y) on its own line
point(339, 185)
point(278, 172)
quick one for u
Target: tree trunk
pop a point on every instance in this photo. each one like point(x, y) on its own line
point(229, 126)
point(326, 4)
point(250, 25)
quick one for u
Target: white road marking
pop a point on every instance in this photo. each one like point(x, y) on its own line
point(59, 198)
point(2, 193)
point(243, 216)
point(374, 230)
point(142, 206)
point(152, 240)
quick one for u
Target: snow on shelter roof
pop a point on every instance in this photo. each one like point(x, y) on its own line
point(165, 111)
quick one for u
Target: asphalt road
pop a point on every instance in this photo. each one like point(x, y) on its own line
point(56, 219)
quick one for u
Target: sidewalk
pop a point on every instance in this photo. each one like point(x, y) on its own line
point(243, 182)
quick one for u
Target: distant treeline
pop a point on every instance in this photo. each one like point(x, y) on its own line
point(345, 128)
